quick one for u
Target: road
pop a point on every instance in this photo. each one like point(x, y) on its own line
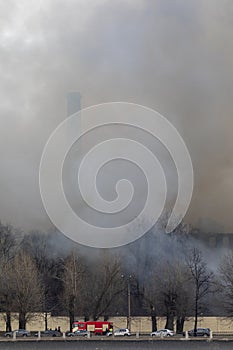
point(116, 345)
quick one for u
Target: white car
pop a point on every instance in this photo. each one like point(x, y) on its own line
point(122, 332)
point(163, 333)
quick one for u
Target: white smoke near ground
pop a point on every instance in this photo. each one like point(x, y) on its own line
point(174, 57)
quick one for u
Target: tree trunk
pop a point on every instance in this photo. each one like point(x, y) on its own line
point(180, 324)
point(153, 319)
point(46, 321)
point(71, 311)
point(71, 319)
point(196, 315)
point(22, 320)
point(8, 322)
point(170, 321)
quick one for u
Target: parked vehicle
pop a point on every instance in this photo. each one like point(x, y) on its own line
point(109, 334)
point(80, 333)
point(19, 333)
point(49, 333)
point(200, 332)
point(163, 333)
point(95, 327)
point(122, 332)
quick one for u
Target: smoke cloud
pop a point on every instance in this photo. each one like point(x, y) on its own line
point(172, 56)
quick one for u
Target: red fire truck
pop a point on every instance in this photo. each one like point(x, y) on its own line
point(95, 327)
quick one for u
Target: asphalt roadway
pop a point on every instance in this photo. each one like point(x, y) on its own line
point(116, 345)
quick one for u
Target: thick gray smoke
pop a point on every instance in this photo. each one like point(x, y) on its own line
point(173, 56)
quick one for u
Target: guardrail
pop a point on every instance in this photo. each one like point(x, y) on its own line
point(137, 335)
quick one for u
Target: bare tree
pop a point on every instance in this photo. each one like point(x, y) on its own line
point(8, 245)
point(167, 290)
point(36, 244)
point(27, 291)
point(201, 278)
point(226, 282)
point(107, 285)
point(72, 278)
point(151, 299)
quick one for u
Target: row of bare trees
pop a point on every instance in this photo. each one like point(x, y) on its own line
point(178, 289)
point(169, 277)
point(21, 288)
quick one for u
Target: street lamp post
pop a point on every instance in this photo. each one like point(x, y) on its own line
point(128, 301)
point(129, 306)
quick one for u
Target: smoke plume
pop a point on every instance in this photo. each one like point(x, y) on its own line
point(172, 56)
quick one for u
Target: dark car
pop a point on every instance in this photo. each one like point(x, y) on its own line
point(200, 332)
point(79, 333)
point(18, 332)
point(49, 333)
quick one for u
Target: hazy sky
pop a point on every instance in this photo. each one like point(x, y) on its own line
point(174, 56)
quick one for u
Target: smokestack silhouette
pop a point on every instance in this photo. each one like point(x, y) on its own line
point(73, 102)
